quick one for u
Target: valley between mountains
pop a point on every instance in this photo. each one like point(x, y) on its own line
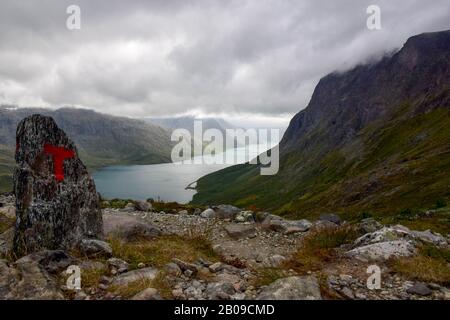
point(363, 189)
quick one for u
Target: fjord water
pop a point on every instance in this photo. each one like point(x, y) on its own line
point(167, 181)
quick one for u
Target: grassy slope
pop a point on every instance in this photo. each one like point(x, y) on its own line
point(6, 167)
point(390, 166)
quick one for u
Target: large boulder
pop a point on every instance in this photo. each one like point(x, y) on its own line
point(226, 211)
point(57, 204)
point(382, 251)
point(135, 275)
point(244, 216)
point(143, 206)
point(238, 231)
point(292, 288)
point(33, 277)
point(94, 248)
point(278, 224)
point(334, 218)
point(208, 213)
point(129, 228)
point(429, 237)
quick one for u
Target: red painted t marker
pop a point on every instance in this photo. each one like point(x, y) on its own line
point(58, 154)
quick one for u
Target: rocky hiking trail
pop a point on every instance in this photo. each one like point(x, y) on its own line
point(224, 252)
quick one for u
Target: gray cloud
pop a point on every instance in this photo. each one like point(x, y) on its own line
point(140, 58)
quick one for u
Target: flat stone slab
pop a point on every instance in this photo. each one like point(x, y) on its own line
point(135, 275)
point(238, 231)
point(382, 251)
point(292, 288)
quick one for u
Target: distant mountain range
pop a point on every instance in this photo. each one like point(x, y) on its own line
point(187, 122)
point(101, 139)
point(374, 139)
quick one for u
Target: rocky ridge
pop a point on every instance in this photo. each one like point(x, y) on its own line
point(245, 243)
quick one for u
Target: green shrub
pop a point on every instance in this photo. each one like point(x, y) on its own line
point(407, 212)
point(440, 203)
point(365, 215)
point(435, 252)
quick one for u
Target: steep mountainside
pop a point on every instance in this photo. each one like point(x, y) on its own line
point(373, 139)
point(101, 139)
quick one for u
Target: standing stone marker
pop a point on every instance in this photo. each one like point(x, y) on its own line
point(57, 204)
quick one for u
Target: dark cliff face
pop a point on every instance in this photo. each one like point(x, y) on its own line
point(344, 103)
point(371, 138)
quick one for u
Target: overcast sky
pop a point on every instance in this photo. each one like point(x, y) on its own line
point(161, 57)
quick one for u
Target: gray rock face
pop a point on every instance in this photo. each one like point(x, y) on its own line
point(173, 269)
point(57, 204)
point(278, 224)
point(118, 264)
point(382, 235)
point(95, 248)
point(219, 290)
point(430, 237)
point(238, 231)
point(135, 275)
point(225, 211)
point(186, 266)
point(31, 277)
point(276, 260)
point(420, 289)
point(331, 218)
point(208, 213)
point(324, 225)
point(292, 288)
point(129, 228)
point(244, 216)
point(143, 206)
point(130, 207)
point(147, 294)
point(382, 251)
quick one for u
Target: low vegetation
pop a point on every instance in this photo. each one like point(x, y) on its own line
point(159, 205)
point(437, 220)
point(131, 289)
point(5, 223)
point(160, 251)
point(266, 276)
point(91, 277)
point(6, 168)
point(430, 265)
point(318, 248)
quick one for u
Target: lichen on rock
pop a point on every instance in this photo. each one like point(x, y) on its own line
point(57, 204)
